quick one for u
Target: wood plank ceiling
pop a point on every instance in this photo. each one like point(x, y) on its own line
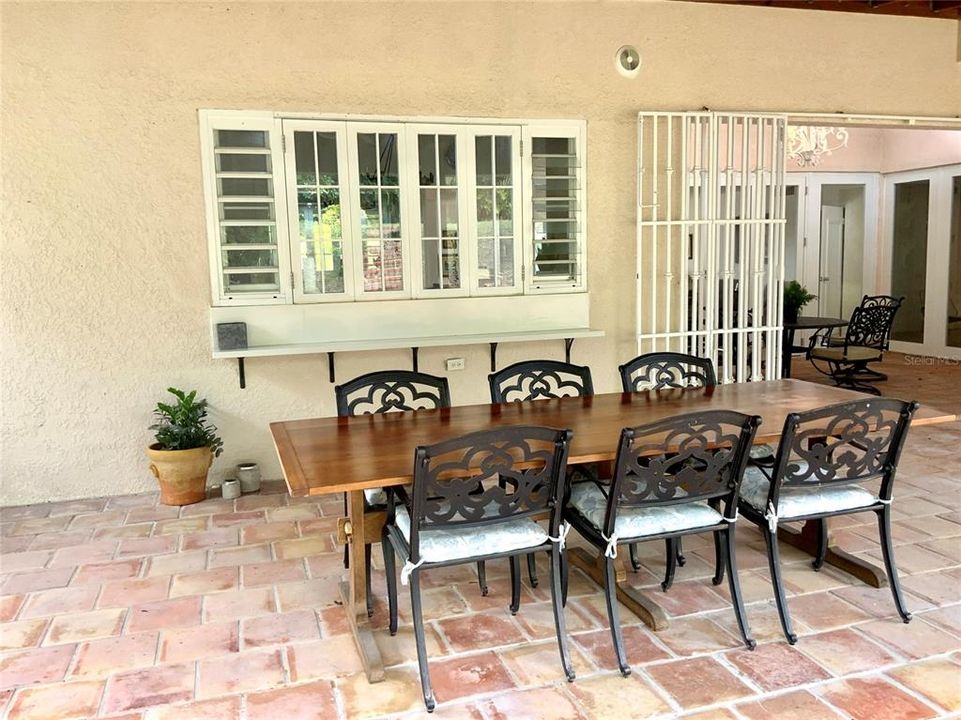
point(947, 9)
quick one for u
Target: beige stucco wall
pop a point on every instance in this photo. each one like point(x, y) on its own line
point(104, 270)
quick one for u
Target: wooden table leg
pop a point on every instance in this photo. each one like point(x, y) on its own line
point(637, 602)
point(354, 591)
point(807, 540)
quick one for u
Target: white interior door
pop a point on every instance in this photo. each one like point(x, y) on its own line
point(831, 265)
point(922, 259)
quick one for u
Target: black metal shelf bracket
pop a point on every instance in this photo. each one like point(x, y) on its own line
point(330, 367)
point(240, 369)
point(413, 352)
point(493, 357)
point(567, 349)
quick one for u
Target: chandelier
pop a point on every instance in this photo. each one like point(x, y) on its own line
point(806, 144)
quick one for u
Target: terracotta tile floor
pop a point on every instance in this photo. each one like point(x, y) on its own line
point(118, 607)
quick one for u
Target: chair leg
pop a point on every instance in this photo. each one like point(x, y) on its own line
point(681, 560)
point(720, 553)
point(774, 561)
point(887, 550)
point(515, 584)
point(532, 569)
point(482, 577)
point(635, 563)
point(670, 545)
point(418, 617)
point(346, 547)
point(821, 525)
point(559, 622)
point(390, 569)
point(370, 602)
point(565, 577)
point(734, 584)
point(610, 594)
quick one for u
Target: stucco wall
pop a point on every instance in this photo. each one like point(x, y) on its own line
point(105, 283)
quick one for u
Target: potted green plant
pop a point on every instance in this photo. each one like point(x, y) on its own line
point(186, 445)
point(796, 296)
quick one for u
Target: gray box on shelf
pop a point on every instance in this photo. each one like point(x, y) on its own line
point(232, 336)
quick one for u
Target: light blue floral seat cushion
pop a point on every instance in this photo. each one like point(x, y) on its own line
point(801, 501)
point(761, 451)
point(445, 544)
point(591, 503)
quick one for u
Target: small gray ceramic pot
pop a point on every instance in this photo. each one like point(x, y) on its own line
point(230, 489)
point(249, 476)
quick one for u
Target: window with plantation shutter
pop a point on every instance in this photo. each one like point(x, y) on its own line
point(246, 209)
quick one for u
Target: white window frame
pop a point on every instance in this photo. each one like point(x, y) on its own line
point(281, 127)
point(520, 201)
point(209, 123)
point(293, 211)
point(558, 129)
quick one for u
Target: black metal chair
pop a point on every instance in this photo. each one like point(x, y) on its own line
point(823, 458)
point(444, 520)
point(663, 371)
point(674, 477)
point(541, 380)
point(866, 338)
point(391, 391)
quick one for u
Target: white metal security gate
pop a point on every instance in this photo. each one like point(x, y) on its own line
point(710, 239)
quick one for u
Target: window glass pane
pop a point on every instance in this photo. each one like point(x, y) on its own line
point(485, 213)
point(367, 158)
point(448, 212)
point(429, 213)
point(486, 264)
point(304, 158)
point(447, 152)
point(502, 159)
point(450, 254)
point(388, 159)
point(327, 158)
point(431, 250)
point(482, 146)
point(244, 187)
point(330, 212)
point(247, 235)
point(909, 258)
point(230, 162)
point(390, 213)
point(251, 282)
point(393, 265)
point(505, 212)
point(505, 277)
point(427, 157)
point(246, 211)
point(556, 191)
point(373, 265)
point(369, 214)
point(249, 258)
point(241, 138)
point(953, 338)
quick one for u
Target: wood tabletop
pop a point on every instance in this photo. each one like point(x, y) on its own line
point(338, 454)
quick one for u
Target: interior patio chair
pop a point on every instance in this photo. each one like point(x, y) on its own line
point(865, 340)
point(678, 476)
point(443, 520)
point(824, 458)
point(540, 380)
point(391, 391)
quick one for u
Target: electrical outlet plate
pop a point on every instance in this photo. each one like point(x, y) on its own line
point(455, 364)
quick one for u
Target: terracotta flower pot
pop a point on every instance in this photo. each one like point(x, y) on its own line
point(182, 473)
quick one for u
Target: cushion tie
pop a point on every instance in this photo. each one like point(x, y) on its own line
point(408, 568)
point(733, 519)
point(611, 550)
point(771, 517)
point(885, 502)
point(561, 538)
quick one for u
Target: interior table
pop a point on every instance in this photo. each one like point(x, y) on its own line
point(335, 455)
point(802, 323)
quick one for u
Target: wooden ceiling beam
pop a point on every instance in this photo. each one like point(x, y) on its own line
point(945, 9)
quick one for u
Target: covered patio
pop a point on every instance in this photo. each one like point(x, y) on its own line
point(123, 608)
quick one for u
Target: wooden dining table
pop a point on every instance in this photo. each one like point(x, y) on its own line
point(333, 455)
